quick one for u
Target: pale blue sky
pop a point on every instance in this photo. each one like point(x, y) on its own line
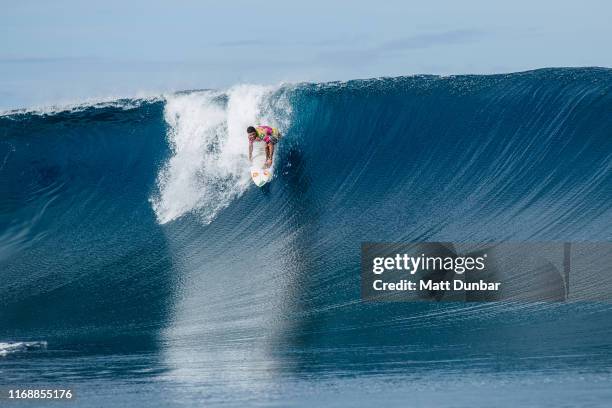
point(68, 50)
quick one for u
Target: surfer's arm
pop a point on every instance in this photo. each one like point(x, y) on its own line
point(250, 151)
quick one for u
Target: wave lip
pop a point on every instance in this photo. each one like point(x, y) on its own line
point(21, 346)
point(81, 106)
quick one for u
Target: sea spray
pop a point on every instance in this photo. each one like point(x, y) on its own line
point(208, 166)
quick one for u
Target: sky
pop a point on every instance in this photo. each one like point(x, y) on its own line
point(65, 51)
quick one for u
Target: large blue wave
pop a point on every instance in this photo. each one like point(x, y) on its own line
point(131, 224)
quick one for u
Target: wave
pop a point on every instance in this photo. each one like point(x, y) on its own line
point(137, 220)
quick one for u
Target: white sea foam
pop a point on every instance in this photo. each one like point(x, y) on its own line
point(208, 167)
point(21, 346)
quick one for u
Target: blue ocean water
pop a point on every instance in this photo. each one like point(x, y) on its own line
point(140, 267)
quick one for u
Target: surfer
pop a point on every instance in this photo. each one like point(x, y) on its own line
point(266, 134)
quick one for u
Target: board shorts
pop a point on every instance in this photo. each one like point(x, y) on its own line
point(272, 139)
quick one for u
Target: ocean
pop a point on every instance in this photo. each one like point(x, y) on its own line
point(141, 267)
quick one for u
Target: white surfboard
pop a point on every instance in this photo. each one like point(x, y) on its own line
point(259, 174)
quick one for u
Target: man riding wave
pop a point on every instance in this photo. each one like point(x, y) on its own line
point(266, 134)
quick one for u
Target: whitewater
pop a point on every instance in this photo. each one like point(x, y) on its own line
point(133, 243)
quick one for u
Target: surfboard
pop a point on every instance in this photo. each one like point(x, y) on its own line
point(259, 174)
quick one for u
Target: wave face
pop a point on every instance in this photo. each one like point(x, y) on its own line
point(135, 225)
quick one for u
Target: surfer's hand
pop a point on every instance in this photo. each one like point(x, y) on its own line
point(268, 163)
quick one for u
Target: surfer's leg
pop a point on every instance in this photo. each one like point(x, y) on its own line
point(269, 153)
